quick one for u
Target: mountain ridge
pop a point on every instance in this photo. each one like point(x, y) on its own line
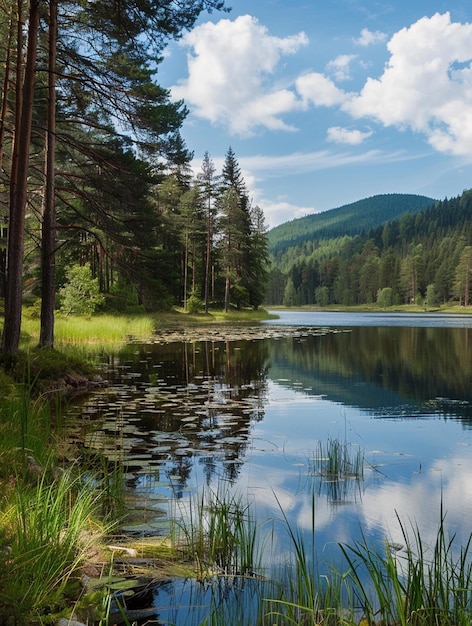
point(350, 219)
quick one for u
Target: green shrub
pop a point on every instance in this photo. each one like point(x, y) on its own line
point(194, 304)
point(81, 294)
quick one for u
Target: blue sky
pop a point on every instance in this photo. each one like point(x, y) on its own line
point(326, 103)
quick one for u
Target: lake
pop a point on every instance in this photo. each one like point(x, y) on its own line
point(254, 407)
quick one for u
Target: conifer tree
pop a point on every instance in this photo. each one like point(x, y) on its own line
point(107, 52)
point(208, 180)
point(236, 225)
point(19, 182)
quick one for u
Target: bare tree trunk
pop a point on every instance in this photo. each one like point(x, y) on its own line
point(3, 117)
point(18, 194)
point(48, 234)
point(467, 281)
point(6, 88)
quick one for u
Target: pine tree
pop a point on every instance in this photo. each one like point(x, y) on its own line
point(208, 180)
point(258, 269)
point(236, 225)
point(463, 276)
point(106, 54)
point(19, 184)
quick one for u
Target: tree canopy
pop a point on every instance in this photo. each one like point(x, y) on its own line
point(421, 256)
point(94, 170)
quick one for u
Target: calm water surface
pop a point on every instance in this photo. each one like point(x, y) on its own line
point(252, 412)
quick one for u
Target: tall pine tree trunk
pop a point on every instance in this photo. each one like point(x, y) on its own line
point(48, 234)
point(3, 118)
point(6, 87)
point(18, 192)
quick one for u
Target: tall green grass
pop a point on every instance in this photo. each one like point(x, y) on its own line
point(103, 329)
point(50, 531)
point(25, 431)
point(337, 460)
point(220, 534)
point(303, 595)
point(421, 584)
point(93, 331)
point(49, 516)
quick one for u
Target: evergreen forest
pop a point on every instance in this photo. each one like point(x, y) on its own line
point(358, 254)
point(98, 203)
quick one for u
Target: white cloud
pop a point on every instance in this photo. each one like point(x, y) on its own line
point(258, 170)
point(336, 134)
point(368, 37)
point(340, 66)
point(279, 211)
point(305, 162)
point(426, 86)
point(317, 89)
point(228, 76)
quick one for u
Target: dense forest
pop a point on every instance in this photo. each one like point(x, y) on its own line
point(424, 256)
point(288, 240)
point(98, 203)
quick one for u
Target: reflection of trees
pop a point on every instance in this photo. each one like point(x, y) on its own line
point(179, 472)
point(373, 367)
point(197, 398)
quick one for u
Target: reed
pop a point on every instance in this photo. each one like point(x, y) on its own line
point(25, 431)
point(304, 596)
point(220, 534)
point(419, 585)
point(337, 460)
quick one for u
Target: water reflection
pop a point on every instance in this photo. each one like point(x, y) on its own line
point(167, 404)
point(252, 412)
point(382, 369)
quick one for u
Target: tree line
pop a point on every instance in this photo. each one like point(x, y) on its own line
point(422, 258)
point(95, 173)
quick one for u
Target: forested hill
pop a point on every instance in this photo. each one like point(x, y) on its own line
point(350, 219)
point(419, 256)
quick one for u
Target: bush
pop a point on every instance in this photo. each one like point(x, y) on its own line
point(194, 304)
point(81, 294)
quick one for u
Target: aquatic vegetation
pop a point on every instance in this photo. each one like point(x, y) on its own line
point(414, 584)
point(302, 594)
point(219, 532)
point(337, 460)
